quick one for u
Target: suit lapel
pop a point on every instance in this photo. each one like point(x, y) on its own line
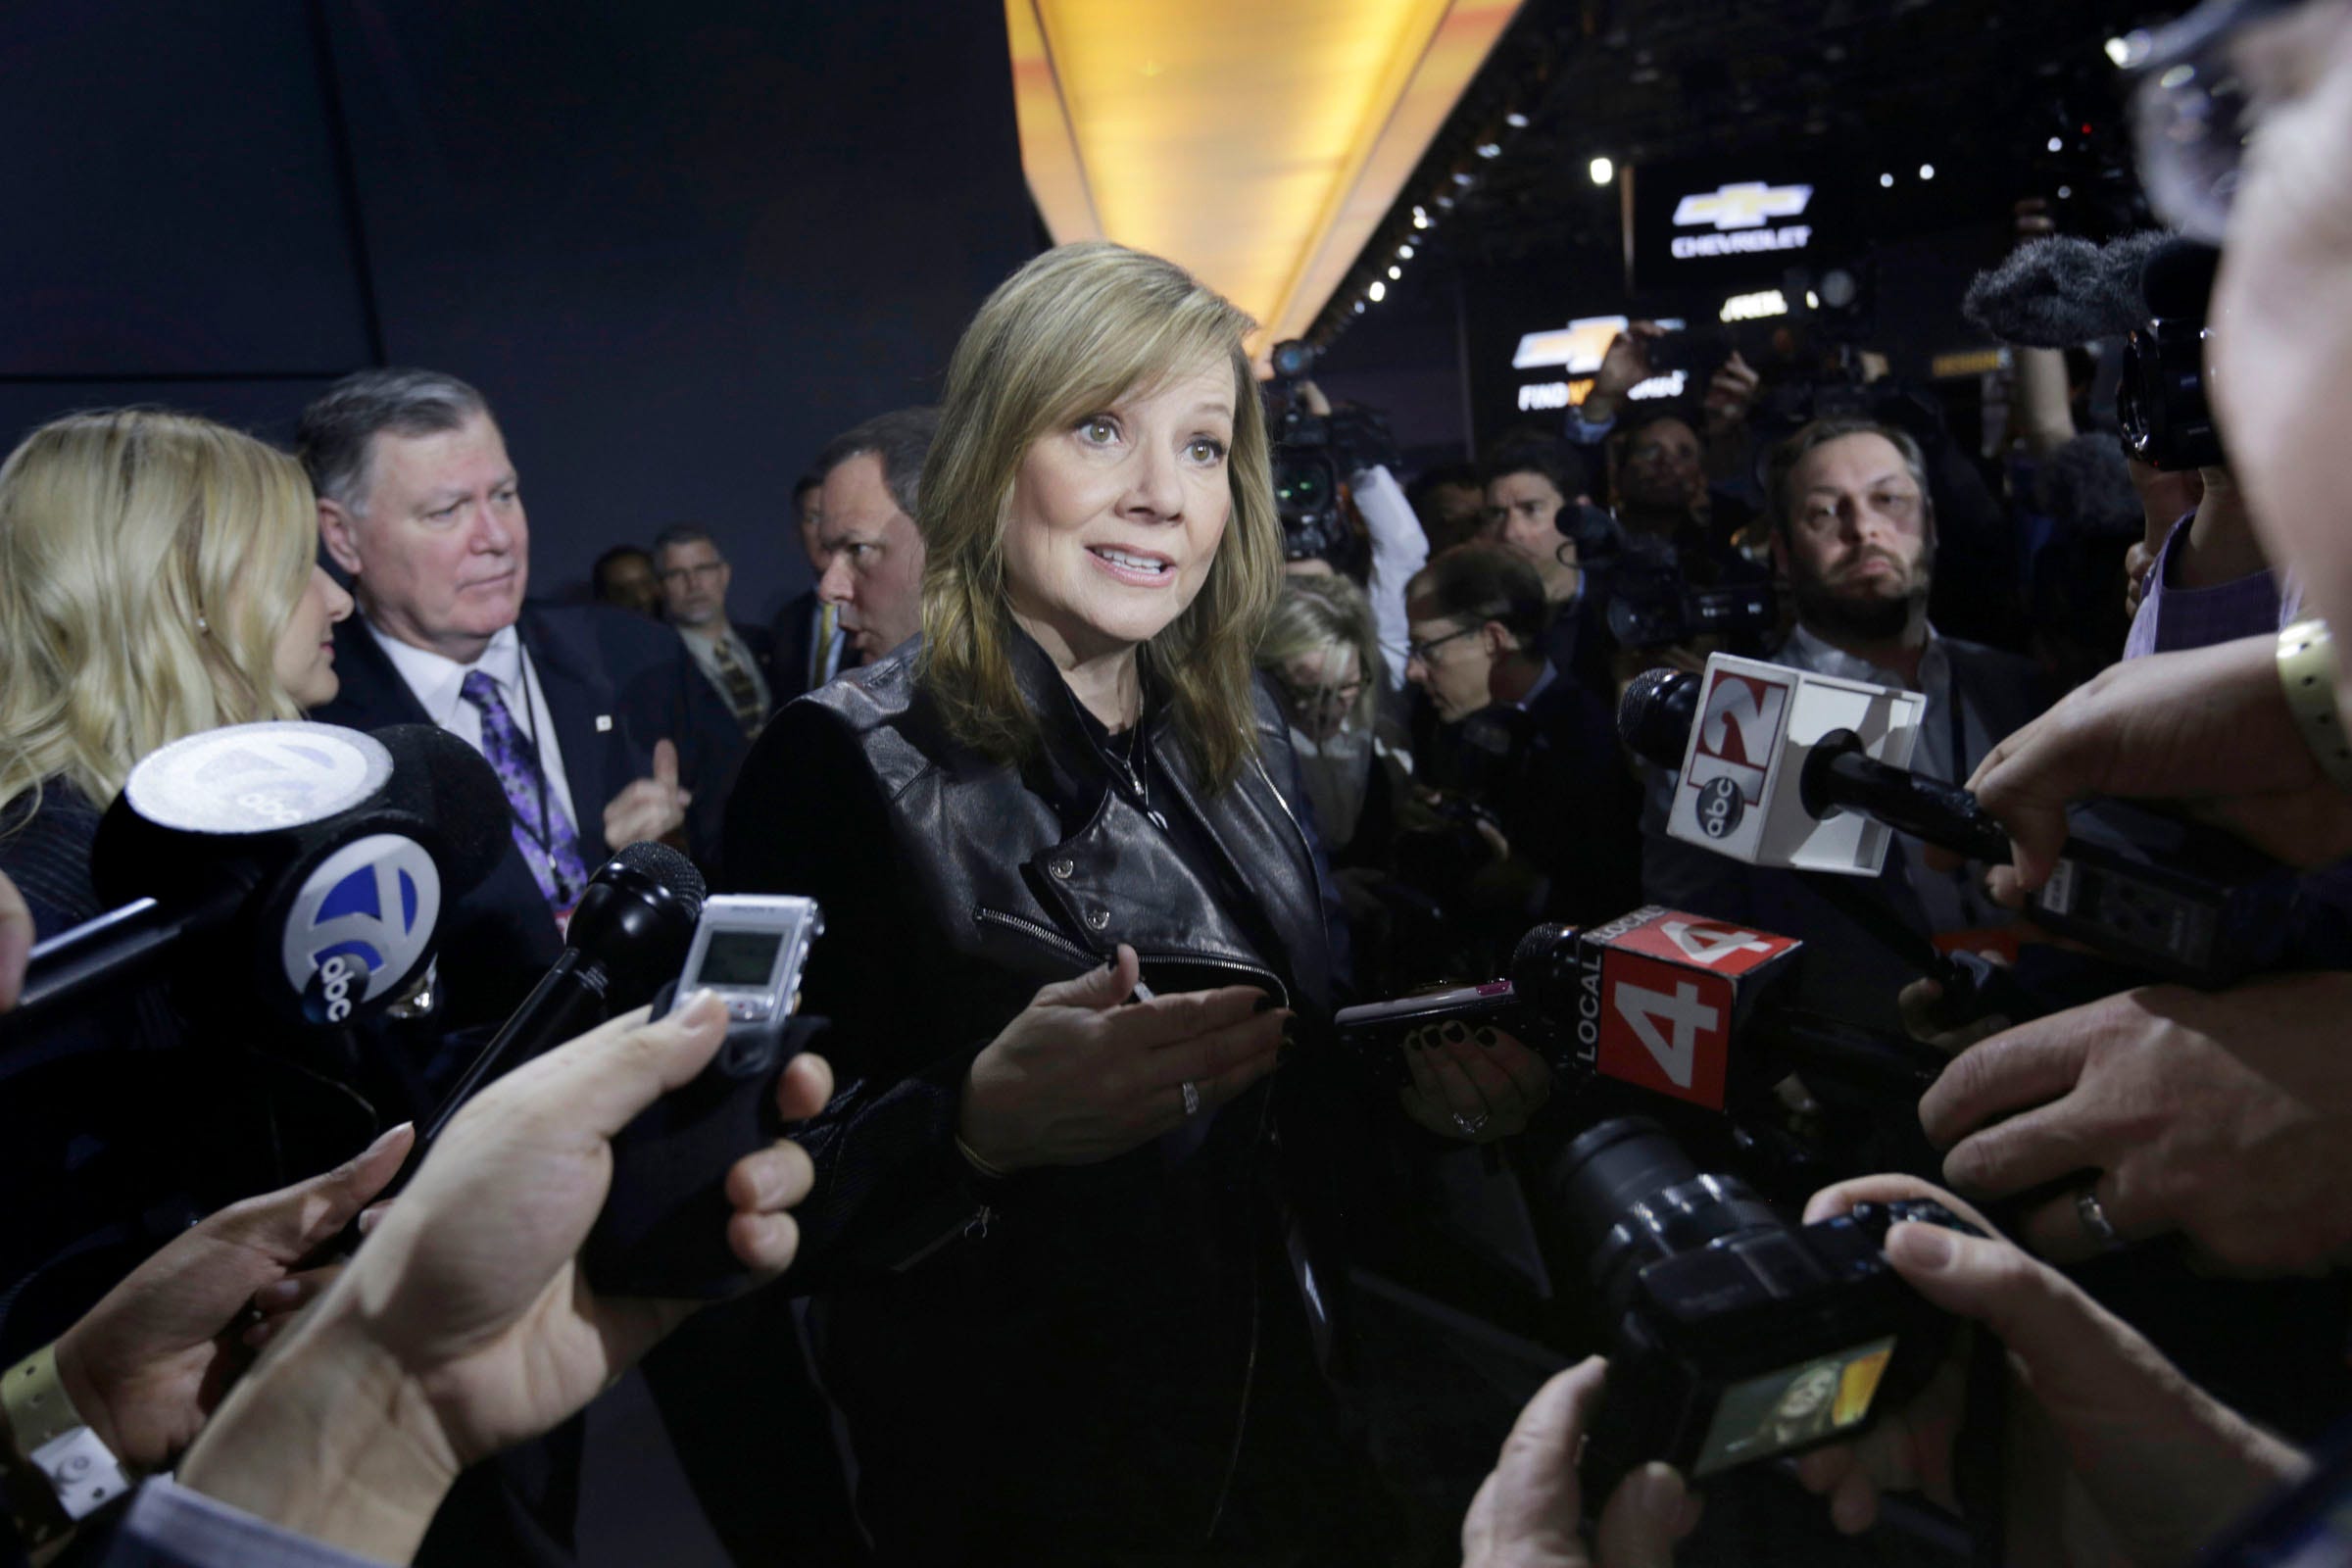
point(575, 702)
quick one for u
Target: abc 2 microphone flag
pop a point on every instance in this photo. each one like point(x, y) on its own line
point(1738, 793)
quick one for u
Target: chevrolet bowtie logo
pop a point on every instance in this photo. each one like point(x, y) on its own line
point(1744, 206)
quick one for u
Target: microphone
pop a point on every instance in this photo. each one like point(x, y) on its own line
point(627, 936)
point(1763, 772)
point(1655, 1001)
point(306, 862)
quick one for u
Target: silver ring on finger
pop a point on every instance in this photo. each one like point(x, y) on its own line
point(1192, 1099)
point(1472, 1125)
point(2095, 1223)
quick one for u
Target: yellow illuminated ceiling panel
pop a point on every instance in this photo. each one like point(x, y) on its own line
point(1258, 142)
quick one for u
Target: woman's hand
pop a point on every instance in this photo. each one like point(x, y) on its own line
point(2115, 1456)
point(1081, 1076)
point(1475, 1086)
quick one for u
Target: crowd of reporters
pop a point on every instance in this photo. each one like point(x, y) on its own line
point(1117, 775)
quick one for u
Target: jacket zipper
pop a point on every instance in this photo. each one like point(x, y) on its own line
point(1062, 944)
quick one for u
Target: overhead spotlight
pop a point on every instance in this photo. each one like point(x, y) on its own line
point(1420, 217)
point(1463, 177)
point(1360, 307)
point(1926, 171)
point(1377, 292)
point(2118, 50)
point(1602, 171)
point(1404, 252)
point(1445, 204)
point(2066, 193)
point(1395, 271)
point(2057, 144)
point(1490, 149)
point(1885, 181)
point(1515, 120)
point(1812, 301)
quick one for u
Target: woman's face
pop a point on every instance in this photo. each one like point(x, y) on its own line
point(306, 649)
point(1320, 689)
point(1116, 516)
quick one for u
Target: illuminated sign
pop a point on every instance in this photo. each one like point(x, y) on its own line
point(1537, 396)
point(1744, 206)
point(1576, 348)
point(1754, 307)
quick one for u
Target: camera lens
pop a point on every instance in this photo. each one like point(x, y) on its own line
point(1630, 1196)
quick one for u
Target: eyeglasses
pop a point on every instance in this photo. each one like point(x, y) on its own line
point(2193, 111)
point(1343, 695)
point(1422, 650)
point(708, 571)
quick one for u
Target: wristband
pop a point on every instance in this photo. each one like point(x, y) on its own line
point(977, 1163)
point(2307, 675)
point(55, 1469)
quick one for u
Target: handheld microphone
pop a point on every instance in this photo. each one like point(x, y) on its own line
point(1656, 999)
point(309, 860)
point(1759, 761)
point(627, 938)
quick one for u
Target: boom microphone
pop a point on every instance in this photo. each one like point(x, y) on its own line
point(308, 862)
point(628, 935)
point(2060, 292)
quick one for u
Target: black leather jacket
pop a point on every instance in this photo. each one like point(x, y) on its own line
point(1104, 1326)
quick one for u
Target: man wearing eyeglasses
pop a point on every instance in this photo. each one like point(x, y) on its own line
point(1853, 536)
point(737, 660)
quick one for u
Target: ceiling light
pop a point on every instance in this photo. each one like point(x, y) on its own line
point(1885, 181)
point(1404, 252)
point(1463, 177)
point(1812, 301)
point(1377, 292)
point(1926, 171)
point(1602, 171)
point(1360, 307)
point(1490, 149)
point(2119, 51)
point(1515, 120)
point(1395, 271)
point(2066, 192)
point(2057, 143)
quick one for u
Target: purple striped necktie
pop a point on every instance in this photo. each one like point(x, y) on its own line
point(542, 832)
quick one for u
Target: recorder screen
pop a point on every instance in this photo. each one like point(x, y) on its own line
point(739, 959)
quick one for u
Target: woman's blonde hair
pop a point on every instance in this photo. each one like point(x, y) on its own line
point(1068, 335)
point(1320, 614)
point(149, 563)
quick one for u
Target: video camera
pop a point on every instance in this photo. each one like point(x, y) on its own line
point(2161, 402)
point(1651, 600)
point(1314, 454)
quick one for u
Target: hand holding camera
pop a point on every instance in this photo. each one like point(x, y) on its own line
point(2110, 1444)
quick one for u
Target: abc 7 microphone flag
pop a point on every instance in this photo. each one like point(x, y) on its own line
point(1737, 794)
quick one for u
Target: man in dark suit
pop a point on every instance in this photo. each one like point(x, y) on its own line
point(808, 634)
point(739, 662)
point(1853, 532)
point(589, 716)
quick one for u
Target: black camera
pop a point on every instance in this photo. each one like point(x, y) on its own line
point(2161, 402)
point(1734, 1336)
point(1651, 600)
point(1312, 455)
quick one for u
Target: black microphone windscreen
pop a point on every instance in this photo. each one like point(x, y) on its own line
point(2061, 292)
point(447, 783)
point(1654, 716)
point(666, 867)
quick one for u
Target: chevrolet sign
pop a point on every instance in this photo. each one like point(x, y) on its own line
point(1738, 214)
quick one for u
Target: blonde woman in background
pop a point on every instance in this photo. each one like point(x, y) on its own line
point(158, 578)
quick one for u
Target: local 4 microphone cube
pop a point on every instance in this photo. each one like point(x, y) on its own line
point(1738, 794)
point(1663, 994)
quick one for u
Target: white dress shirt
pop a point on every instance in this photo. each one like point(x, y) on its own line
point(439, 684)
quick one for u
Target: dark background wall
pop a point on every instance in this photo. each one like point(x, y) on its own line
point(678, 248)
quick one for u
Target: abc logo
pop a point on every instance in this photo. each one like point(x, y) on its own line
point(1721, 806)
point(362, 925)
